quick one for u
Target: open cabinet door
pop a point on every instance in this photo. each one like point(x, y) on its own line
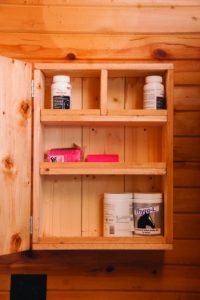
point(15, 155)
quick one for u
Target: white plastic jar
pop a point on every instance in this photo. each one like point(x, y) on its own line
point(154, 93)
point(118, 214)
point(148, 213)
point(61, 92)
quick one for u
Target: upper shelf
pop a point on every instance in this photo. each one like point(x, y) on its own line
point(135, 117)
point(114, 70)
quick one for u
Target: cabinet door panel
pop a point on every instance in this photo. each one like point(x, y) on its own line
point(15, 155)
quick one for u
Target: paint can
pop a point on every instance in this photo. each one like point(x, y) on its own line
point(118, 214)
point(148, 213)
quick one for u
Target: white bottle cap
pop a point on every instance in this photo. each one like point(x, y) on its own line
point(150, 79)
point(61, 78)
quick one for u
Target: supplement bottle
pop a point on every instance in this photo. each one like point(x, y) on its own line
point(154, 93)
point(61, 92)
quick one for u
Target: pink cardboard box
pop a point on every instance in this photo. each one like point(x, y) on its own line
point(102, 158)
point(64, 155)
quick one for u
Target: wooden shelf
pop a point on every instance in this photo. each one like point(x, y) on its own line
point(117, 124)
point(88, 168)
point(100, 243)
point(135, 117)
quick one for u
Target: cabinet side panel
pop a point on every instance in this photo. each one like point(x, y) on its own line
point(39, 97)
point(15, 155)
point(168, 180)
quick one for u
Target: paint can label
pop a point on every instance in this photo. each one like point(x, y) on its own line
point(148, 218)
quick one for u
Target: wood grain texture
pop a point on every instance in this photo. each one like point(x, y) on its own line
point(57, 46)
point(55, 295)
point(37, 260)
point(120, 276)
point(43, 41)
point(99, 19)
point(184, 149)
point(186, 226)
point(186, 174)
point(187, 200)
point(187, 123)
point(187, 98)
point(65, 295)
point(15, 155)
point(105, 2)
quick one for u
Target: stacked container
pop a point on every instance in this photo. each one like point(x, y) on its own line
point(148, 213)
point(118, 214)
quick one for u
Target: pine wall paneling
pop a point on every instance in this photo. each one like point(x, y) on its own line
point(124, 31)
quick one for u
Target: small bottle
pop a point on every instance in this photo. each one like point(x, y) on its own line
point(154, 93)
point(61, 92)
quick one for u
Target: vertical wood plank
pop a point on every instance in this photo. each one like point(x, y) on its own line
point(60, 208)
point(15, 155)
point(134, 93)
point(91, 93)
point(116, 93)
point(143, 144)
point(104, 92)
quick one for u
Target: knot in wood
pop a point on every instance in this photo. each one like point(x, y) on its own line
point(110, 269)
point(16, 242)
point(160, 54)
point(8, 162)
point(71, 56)
point(24, 109)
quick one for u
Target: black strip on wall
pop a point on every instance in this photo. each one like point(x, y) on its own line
point(28, 287)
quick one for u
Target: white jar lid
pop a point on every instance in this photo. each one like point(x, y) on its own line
point(147, 201)
point(118, 196)
point(61, 78)
point(150, 79)
point(147, 196)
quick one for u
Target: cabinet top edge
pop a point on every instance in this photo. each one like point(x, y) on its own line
point(107, 66)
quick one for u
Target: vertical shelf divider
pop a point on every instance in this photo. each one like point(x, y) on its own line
point(103, 92)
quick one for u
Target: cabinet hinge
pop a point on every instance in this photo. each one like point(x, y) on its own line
point(31, 224)
point(32, 88)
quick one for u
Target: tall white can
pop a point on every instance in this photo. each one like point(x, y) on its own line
point(118, 214)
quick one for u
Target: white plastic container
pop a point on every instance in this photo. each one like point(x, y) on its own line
point(148, 213)
point(154, 93)
point(118, 214)
point(61, 92)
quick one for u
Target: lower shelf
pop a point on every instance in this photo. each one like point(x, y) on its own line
point(88, 168)
point(103, 243)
